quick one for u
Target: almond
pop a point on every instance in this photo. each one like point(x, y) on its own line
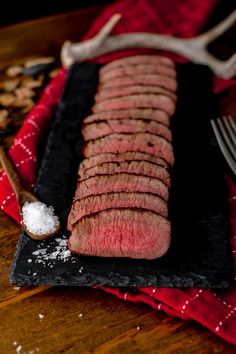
point(7, 99)
point(24, 92)
point(4, 119)
point(10, 85)
point(29, 106)
point(30, 83)
point(14, 70)
point(22, 102)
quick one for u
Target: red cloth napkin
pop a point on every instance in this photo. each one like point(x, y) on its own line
point(213, 309)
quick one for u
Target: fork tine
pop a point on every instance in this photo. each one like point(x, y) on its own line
point(230, 130)
point(231, 147)
point(224, 149)
point(233, 124)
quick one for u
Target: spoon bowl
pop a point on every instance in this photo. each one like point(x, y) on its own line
point(28, 197)
point(23, 196)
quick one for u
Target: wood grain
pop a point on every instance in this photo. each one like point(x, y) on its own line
point(108, 325)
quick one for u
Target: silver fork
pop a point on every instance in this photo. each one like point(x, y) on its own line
point(225, 132)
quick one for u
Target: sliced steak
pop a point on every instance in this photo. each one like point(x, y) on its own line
point(143, 168)
point(96, 203)
point(119, 157)
point(161, 102)
point(130, 70)
point(132, 90)
point(138, 60)
point(121, 233)
point(147, 114)
point(122, 182)
point(141, 142)
point(153, 79)
point(99, 129)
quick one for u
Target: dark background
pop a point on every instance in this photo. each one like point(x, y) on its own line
point(17, 11)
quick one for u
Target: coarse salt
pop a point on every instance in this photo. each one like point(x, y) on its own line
point(39, 219)
point(48, 255)
point(66, 254)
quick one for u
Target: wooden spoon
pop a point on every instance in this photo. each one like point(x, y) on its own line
point(22, 194)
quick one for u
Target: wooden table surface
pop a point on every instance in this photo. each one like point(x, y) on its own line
point(79, 320)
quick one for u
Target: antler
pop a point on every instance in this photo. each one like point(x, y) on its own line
point(194, 49)
point(78, 52)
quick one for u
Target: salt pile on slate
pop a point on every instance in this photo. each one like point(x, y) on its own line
point(48, 257)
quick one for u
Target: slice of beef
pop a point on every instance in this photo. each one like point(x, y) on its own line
point(143, 168)
point(96, 203)
point(136, 113)
point(122, 157)
point(138, 60)
point(122, 182)
point(153, 79)
point(99, 129)
point(161, 102)
point(141, 142)
point(121, 233)
point(130, 70)
point(132, 90)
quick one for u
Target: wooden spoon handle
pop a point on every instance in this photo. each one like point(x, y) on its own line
point(11, 173)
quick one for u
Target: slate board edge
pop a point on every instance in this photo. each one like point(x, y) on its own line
point(114, 280)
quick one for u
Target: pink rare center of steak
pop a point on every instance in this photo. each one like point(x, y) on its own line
point(121, 233)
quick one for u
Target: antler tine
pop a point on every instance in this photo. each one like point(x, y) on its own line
point(108, 27)
point(81, 51)
point(218, 30)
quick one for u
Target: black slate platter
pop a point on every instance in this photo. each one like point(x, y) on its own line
point(200, 253)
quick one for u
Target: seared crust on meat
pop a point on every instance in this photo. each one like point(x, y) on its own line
point(138, 59)
point(96, 203)
point(105, 94)
point(142, 79)
point(134, 113)
point(161, 102)
point(130, 70)
point(143, 168)
point(121, 182)
point(142, 142)
point(102, 128)
point(120, 157)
